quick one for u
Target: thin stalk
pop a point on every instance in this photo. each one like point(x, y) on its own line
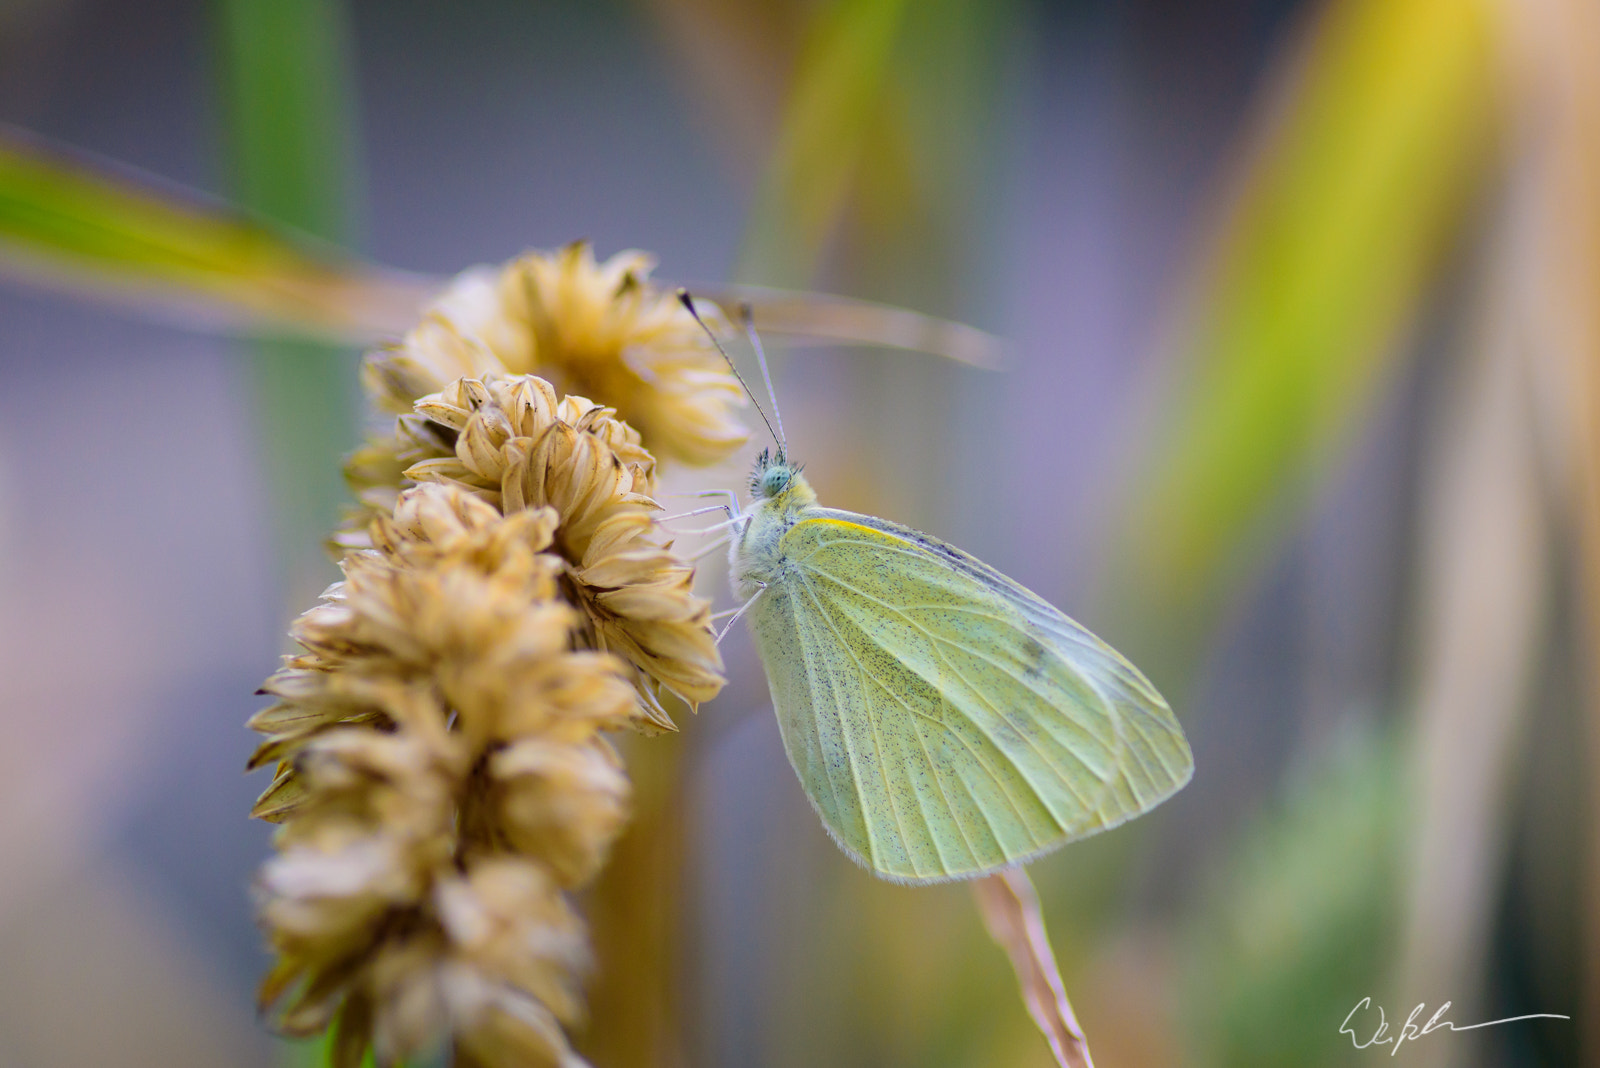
point(282, 67)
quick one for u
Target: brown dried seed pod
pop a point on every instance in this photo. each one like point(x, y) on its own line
point(595, 329)
point(445, 781)
point(520, 448)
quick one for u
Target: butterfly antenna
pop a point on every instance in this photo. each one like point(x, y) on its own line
point(688, 302)
point(747, 317)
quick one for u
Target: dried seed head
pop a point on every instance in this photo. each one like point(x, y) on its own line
point(457, 611)
point(594, 329)
point(443, 778)
point(442, 781)
point(510, 443)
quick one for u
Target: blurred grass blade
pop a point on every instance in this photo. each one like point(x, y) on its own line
point(636, 915)
point(1482, 556)
point(317, 1053)
point(86, 225)
point(1558, 82)
point(736, 59)
point(281, 68)
point(1374, 152)
point(802, 317)
point(1300, 924)
point(290, 134)
point(1010, 911)
point(831, 113)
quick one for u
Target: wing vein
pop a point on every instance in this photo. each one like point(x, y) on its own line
point(937, 641)
point(811, 690)
point(877, 743)
point(1065, 778)
point(1029, 711)
point(938, 781)
point(977, 756)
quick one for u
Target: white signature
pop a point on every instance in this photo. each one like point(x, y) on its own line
point(1411, 1029)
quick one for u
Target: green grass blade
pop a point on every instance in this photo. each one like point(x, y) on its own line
point(290, 134)
point(281, 65)
point(1359, 188)
point(1302, 920)
point(835, 102)
point(85, 225)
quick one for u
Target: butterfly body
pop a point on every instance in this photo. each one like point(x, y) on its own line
point(944, 721)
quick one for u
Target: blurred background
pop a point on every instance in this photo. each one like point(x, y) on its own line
point(1301, 308)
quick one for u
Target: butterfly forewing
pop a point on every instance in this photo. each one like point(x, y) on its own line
point(944, 720)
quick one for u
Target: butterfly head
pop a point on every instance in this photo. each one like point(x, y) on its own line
point(776, 479)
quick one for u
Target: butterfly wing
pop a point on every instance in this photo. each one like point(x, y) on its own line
point(944, 720)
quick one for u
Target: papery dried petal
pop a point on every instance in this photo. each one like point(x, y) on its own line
point(442, 780)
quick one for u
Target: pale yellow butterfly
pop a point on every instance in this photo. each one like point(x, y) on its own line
point(944, 721)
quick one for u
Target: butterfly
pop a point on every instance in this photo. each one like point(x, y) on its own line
point(944, 721)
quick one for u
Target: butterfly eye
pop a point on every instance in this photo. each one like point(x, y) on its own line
point(774, 480)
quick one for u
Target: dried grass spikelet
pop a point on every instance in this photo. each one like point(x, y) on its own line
point(594, 329)
point(444, 781)
point(514, 444)
point(591, 330)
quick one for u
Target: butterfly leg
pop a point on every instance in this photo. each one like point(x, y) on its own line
point(697, 511)
point(737, 612)
point(733, 500)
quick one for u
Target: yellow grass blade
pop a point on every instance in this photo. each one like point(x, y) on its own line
point(834, 106)
point(1341, 223)
point(72, 222)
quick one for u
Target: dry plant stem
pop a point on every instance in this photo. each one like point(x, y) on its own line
point(1556, 54)
point(1482, 599)
point(636, 911)
point(1570, 272)
point(1010, 911)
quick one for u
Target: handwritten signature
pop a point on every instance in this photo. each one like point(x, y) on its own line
point(1411, 1029)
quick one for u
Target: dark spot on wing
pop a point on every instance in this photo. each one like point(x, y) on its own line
point(1033, 654)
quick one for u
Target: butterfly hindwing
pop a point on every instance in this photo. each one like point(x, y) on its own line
point(945, 721)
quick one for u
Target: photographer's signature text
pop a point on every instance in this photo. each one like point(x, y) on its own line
point(1412, 1029)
